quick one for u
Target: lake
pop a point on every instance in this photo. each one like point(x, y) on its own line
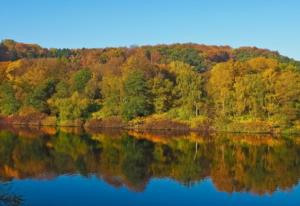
point(68, 166)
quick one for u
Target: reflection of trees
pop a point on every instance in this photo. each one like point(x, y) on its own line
point(7, 198)
point(256, 168)
point(234, 163)
point(137, 160)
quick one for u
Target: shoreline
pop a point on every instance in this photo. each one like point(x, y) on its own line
point(136, 129)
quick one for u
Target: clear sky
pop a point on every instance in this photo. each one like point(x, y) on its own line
point(272, 24)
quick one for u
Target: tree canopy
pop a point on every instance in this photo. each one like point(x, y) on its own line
point(185, 82)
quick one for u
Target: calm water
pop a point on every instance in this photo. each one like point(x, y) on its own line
point(68, 167)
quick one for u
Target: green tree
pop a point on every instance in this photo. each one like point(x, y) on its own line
point(38, 98)
point(184, 54)
point(162, 93)
point(111, 87)
point(136, 100)
point(8, 102)
point(62, 90)
point(72, 108)
point(81, 78)
point(189, 90)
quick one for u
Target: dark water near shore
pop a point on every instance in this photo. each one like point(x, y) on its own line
point(45, 166)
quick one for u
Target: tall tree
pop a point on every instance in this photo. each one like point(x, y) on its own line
point(136, 100)
point(189, 89)
point(162, 93)
point(111, 96)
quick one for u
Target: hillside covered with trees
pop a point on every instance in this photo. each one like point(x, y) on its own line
point(164, 86)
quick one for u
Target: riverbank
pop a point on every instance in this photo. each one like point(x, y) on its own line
point(153, 123)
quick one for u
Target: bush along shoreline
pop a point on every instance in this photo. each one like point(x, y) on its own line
point(162, 87)
point(152, 123)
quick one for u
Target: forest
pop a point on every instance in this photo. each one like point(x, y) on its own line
point(178, 86)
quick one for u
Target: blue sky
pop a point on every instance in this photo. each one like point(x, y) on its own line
point(273, 24)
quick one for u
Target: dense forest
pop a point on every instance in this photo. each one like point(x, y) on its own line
point(193, 86)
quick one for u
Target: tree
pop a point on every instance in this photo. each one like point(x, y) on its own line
point(287, 96)
point(38, 98)
point(220, 87)
point(81, 78)
point(8, 102)
point(249, 93)
point(72, 108)
point(184, 54)
point(139, 62)
point(136, 100)
point(92, 89)
point(162, 93)
point(189, 90)
point(111, 96)
point(198, 84)
point(62, 89)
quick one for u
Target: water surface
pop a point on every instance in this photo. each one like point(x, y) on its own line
point(45, 166)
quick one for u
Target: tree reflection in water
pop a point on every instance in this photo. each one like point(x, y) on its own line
point(7, 198)
point(234, 162)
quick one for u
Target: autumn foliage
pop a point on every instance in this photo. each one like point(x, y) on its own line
point(260, 164)
point(196, 85)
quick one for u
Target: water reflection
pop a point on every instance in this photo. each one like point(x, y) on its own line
point(259, 164)
point(7, 197)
